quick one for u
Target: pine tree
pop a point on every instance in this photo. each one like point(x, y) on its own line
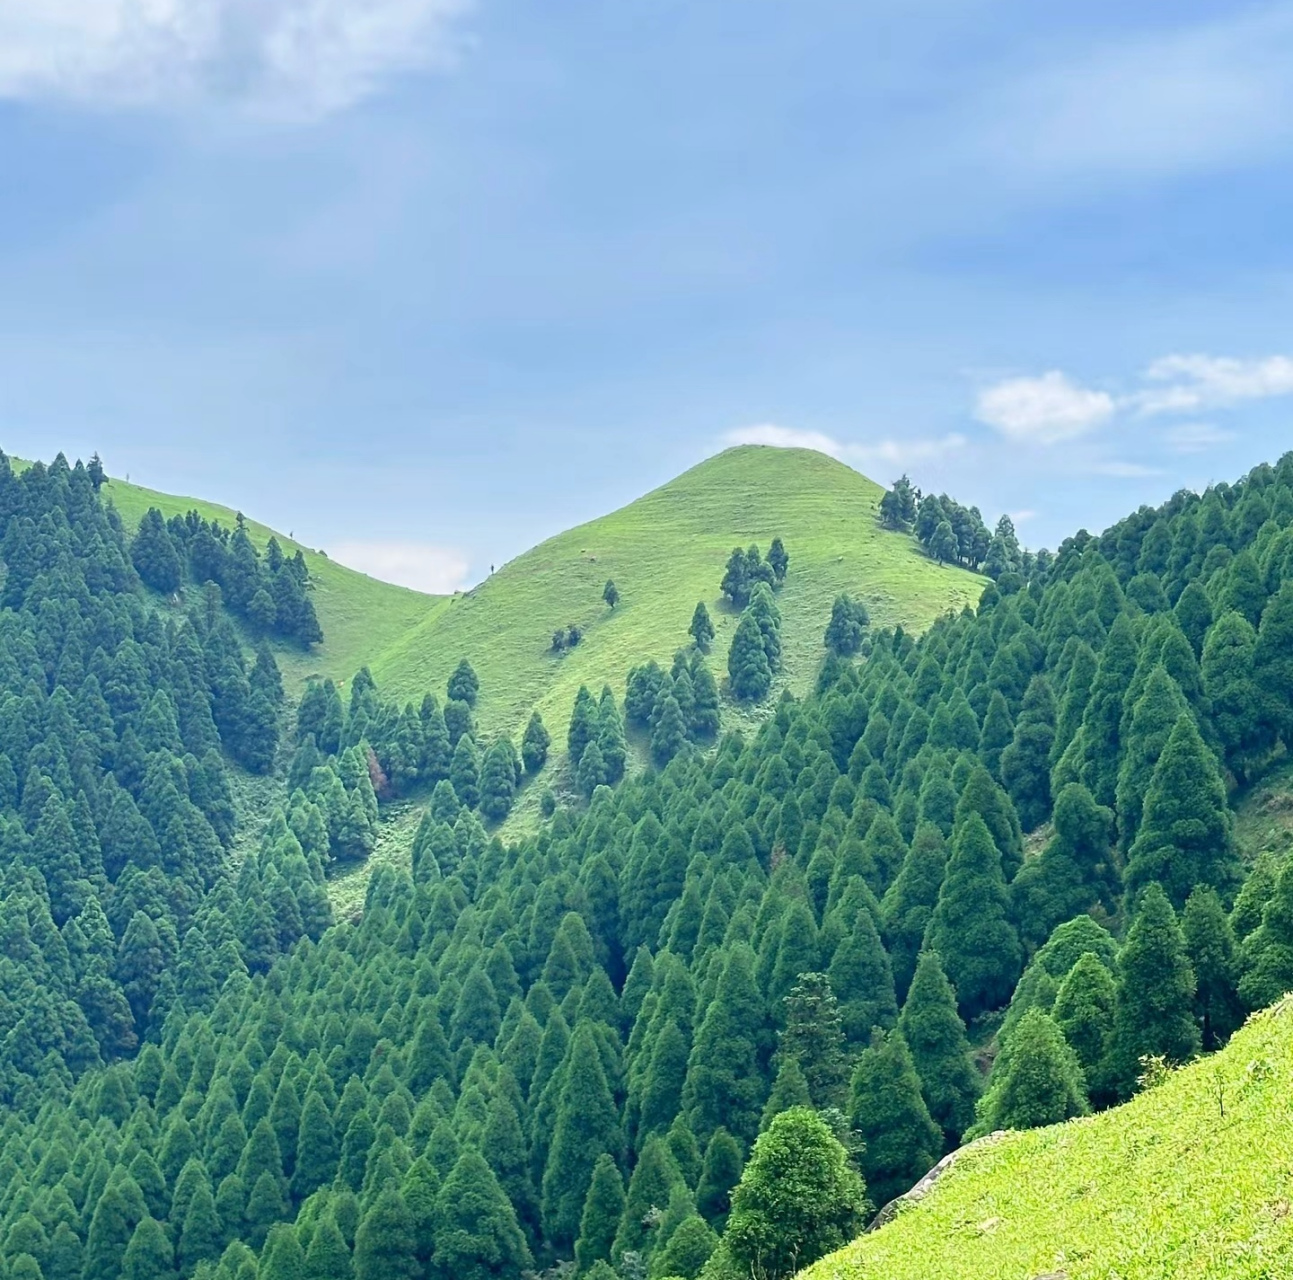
point(1101, 745)
point(602, 1212)
point(1228, 667)
point(901, 1142)
point(282, 1258)
point(610, 593)
point(846, 628)
point(316, 1148)
point(587, 1124)
point(535, 744)
point(498, 781)
point(1083, 1011)
point(464, 772)
point(663, 1084)
point(798, 1199)
point(724, 1078)
point(1268, 950)
point(1184, 838)
point(719, 1174)
point(935, 1035)
point(200, 1234)
point(814, 1039)
point(1154, 1013)
point(701, 629)
point(463, 685)
point(654, 1179)
point(970, 927)
point(1025, 767)
point(154, 555)
point(686, 1250)
point(327, 1257)
point(1156, 712)
point(1210, 948)
point(670, 733)
point(1037, 1080)
point(910, 900)
point(148, 1255)
point(779, 559)
point(748, 669)
point(385, 1248)
point(1074, 872)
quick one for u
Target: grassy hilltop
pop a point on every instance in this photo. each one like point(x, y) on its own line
point(665, 552)
point(1191, 1180)
point(359, 615)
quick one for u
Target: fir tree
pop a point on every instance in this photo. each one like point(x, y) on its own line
point(535, 744)
point(970, 927)
point(814, 1038)
point(701, 629)
point(385, 1248)
point(602, 1212)
point(1210, 948)
point(935, 1035)
point(1154, 1013)
point(901, 1142)
point(747, 662)
point(1037, 1080)
point(463, 685)
point(846, 628)
point(587, 1125)
point(610, 593)
point(1083, 1011)
point(464, 772)
point(1184, 837)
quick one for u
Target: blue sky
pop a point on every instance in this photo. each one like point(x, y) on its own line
point(424, 281)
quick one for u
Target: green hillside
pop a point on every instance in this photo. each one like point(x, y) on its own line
point(1192, 1179)
point(360, 616)
point(665, 552)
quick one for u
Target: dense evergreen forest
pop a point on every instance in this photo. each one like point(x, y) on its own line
point(694, 1023)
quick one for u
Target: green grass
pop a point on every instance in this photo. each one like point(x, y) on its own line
point(665, 552)
point(360, 616)
point(1193, 1179)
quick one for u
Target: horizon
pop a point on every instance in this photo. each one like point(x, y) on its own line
point(437, 284)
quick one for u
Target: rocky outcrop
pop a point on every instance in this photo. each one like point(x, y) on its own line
point(908, 1198)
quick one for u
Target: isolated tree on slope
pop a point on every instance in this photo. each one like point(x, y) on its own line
point(701, 629)
point(798, 1199)
point(463, 685)
point(611, 593)
point(535, 744)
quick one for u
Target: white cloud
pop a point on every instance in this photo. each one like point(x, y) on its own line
point(290, 58)
point(439, 571)
point(1186, 383)
point(1195, 437)
point(1043, 410)
point(896, 453)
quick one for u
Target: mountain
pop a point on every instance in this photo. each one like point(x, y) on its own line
point(665, 552)
point(360, 616)
point(1188, 1179)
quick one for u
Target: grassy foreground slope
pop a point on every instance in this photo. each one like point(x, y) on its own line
point(1192, 1179)
point(360, 616)
point(665, 552)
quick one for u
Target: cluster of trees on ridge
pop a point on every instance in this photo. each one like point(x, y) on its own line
point(604, 1047)
point(269, 592)
point(953, 534)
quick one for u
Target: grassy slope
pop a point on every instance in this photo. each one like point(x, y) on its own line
point(360, 615)
point(1166, 1186)
point(666, 551)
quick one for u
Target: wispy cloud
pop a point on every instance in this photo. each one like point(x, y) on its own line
point(1195, 437)
point(895, 453)
point(287, 58)
point(1187, 383)
point(1184, 99)
point(1043, 410)
point(439, 571)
